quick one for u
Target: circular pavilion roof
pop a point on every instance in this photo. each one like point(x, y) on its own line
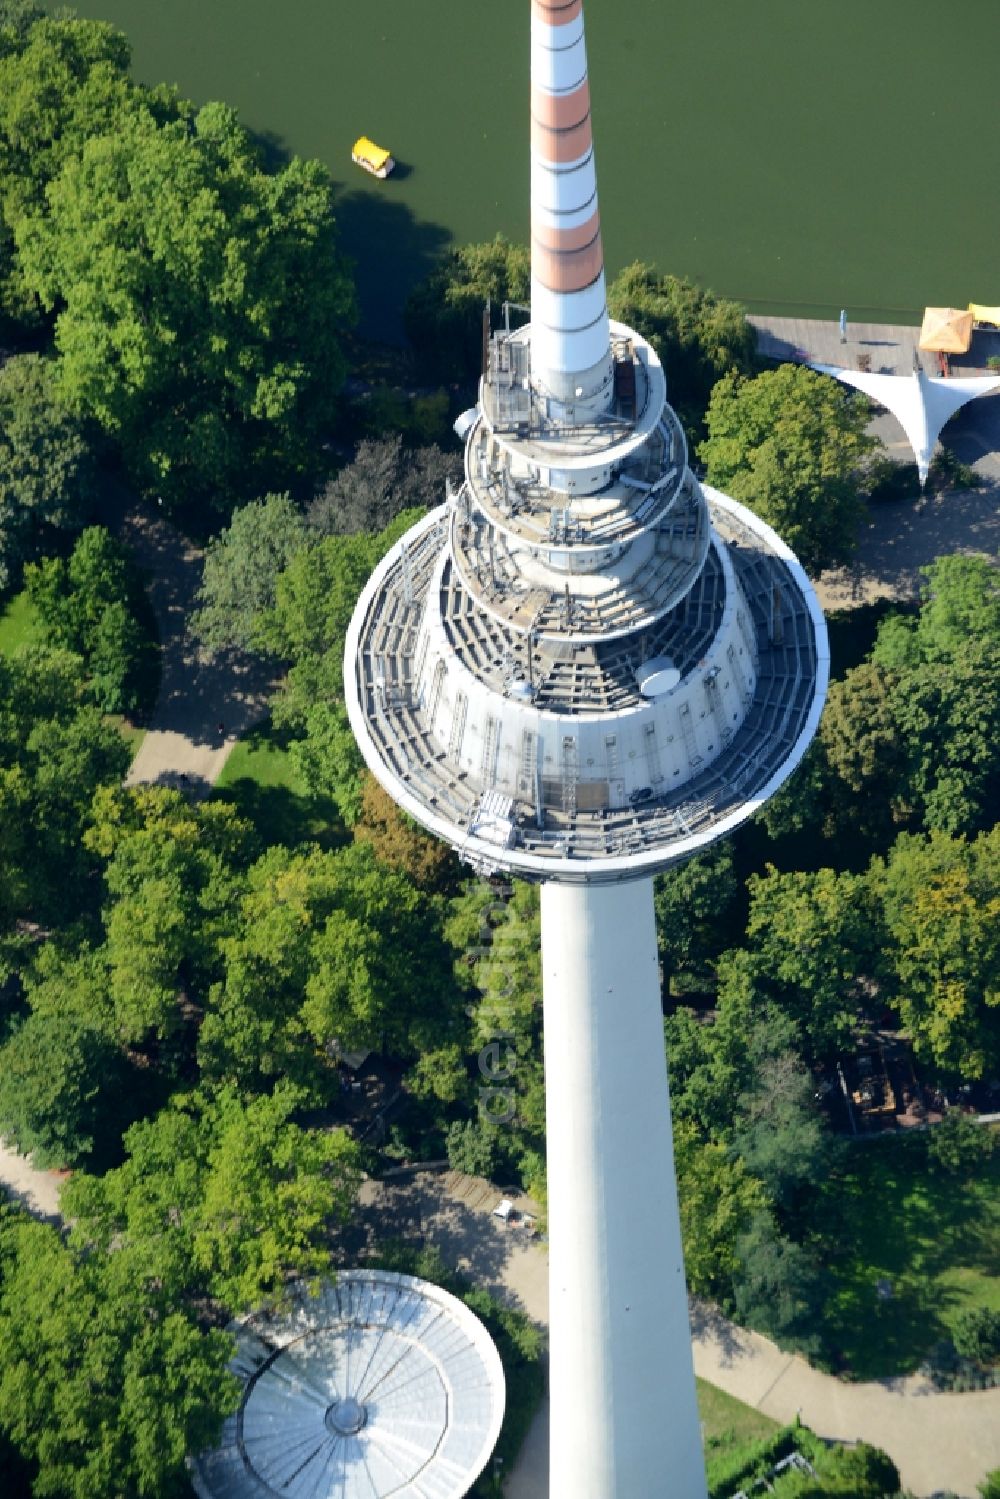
point(379, 1385)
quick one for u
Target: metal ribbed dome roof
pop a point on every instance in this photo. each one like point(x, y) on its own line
point(381, 1385)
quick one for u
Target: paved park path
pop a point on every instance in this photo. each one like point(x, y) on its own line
point(902, 536)
point(185, 745)
point(938, 1442)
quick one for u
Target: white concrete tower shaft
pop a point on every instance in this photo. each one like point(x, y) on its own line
point(571, 341)
point(624, 1416)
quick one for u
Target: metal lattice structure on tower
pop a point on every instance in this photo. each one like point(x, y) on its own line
point(582, 668)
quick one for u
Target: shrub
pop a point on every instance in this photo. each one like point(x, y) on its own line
point(977, 1335)
point(94, 604)
point(958, 1144)
point(472, 1147)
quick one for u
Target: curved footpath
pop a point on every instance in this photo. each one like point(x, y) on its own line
point(939, 1442)
point(203, 705)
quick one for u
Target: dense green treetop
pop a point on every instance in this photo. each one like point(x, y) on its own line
point(910, 738)
point(328, 947)
point(694, 904)
point(61, 80)
point(224, 1199)
point(62, 1075)
point(173, 878)
point(93, 603)
point(198, 298)
point(47, 473)
point(941, 898)
point(699, 337)
point(383, 479)
point(812, 937)
point(792, 445)
point(718, 1197)
point(314, 600)
point(206, 346)
point(960, 607)
point(55, 751)
point(102, 1385)
point(779, 1289)
point(242, 566)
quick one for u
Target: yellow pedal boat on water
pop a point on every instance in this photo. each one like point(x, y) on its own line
point(365, 153)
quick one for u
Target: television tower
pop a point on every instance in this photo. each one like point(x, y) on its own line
point(581, 669)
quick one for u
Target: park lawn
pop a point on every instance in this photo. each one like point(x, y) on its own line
point(19, 625)
point(726, 1422)
point(934, 1238)
point(262, 783)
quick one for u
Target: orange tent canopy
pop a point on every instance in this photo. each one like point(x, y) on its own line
point(946, 330)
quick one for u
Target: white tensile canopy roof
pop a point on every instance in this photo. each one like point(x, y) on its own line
point(920, 403)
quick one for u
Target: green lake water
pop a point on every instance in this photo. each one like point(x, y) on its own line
point(800, 155)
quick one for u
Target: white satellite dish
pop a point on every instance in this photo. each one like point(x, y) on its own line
point(657, 676)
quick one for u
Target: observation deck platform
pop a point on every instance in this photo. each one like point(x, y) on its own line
point(578, 607)
point(557, 834)
point(526, 510)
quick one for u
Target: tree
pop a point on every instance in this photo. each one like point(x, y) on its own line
point(694, 904)
point(240, 575)
point(68, 1090)
point(792, 445)
point(47, 475)
point(55, 751)
point(224, 1199)
point(779, 1133)
point(473, 1147)
point(812, 937)
point(948, 717)
point(440, 1075)
point(444, 314)
point(173, 876)
point(946, 663)
point(861, 1472)
point(959, 1145)
point(400, 844)
point(198, 301)
point(61, 80)
point(990, 1486)
point(18, 16)
point(102, 1386)
point(93, 603)
point(718, 1198)
point(328, 947)
point(314, 601)
point(960, 604)
point(698, 337)
point(942, 901)
point(865, 760)
point(778, 1287)
point(704, 1078)
point(63, 1082)
point(383, 479)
